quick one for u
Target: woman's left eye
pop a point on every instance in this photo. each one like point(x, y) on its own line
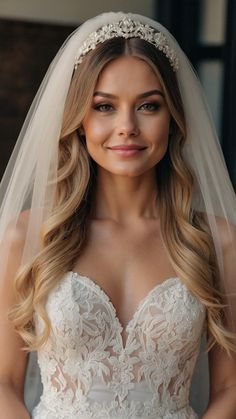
point(150, 106)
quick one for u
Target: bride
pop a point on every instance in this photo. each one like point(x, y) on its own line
point(117, 235)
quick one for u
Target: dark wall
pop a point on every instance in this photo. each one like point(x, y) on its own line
point(26, 50)
point(182, 18)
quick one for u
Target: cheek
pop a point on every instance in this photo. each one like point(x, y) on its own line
point(96, 134)
point(96, 131)
point(158, 130)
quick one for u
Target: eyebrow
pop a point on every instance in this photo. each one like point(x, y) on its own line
point(140, 96)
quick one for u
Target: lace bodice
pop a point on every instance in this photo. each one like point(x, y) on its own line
point(88, 372)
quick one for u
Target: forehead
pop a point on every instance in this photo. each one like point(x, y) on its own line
point(128, 72)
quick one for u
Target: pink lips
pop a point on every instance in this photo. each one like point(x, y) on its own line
point(127, 150)
point(127, 147)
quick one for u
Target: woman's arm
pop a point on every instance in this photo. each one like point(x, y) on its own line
point(222, 402)
point(222, 367)
point(11, 405)
point(13, 360)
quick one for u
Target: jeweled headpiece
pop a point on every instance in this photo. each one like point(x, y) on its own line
point(127, 28)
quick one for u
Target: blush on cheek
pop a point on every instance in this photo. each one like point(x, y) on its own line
point(96, 134)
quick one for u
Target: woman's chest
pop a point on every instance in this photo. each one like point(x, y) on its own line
point(84, 318)
point(126, 264)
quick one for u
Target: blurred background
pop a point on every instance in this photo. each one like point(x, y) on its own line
point(32, 31)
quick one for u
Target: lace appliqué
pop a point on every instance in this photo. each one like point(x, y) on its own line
point(88, 372)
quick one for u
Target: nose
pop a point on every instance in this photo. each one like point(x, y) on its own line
point(127, 125)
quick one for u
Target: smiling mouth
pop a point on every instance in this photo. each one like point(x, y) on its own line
point(126, 152)
point(127, 147)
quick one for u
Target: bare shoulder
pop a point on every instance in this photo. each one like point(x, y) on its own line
point(11, 248)
point(16, 231)
point(226, 231)
point(227, 235)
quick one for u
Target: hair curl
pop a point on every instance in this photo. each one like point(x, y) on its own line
point(185, 233)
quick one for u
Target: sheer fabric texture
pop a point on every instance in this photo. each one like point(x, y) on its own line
point(29, 180)
point(83, 372)
point(89, 370)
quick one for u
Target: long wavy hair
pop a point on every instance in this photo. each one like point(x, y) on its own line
point(185, 232)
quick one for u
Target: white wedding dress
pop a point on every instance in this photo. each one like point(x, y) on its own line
point(87, 370)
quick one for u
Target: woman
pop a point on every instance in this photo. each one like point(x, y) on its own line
point(117, 245)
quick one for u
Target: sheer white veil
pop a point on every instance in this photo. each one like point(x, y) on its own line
point(26, 182)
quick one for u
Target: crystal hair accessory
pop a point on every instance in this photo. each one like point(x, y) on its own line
point(127, 28)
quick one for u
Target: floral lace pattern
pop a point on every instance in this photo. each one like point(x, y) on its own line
point(88, 371)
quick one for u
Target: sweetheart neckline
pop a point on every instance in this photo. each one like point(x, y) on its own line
point(125, 328)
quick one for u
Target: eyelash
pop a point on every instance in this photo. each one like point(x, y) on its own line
point(154, 105)
point(100, 105)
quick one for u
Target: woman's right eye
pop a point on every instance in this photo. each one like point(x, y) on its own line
point(103, 107)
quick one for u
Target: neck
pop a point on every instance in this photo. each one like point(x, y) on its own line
point(124, 199)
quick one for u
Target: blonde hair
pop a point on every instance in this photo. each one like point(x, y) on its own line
point(185, 232)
